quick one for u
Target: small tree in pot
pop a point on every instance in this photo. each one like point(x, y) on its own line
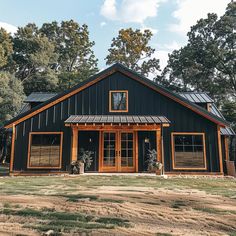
point(84, 161)
point(153, 164)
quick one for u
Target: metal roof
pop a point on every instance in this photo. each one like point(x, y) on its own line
point(226, 130)
point(197, 97)
point(99, 119)
point(39, 97)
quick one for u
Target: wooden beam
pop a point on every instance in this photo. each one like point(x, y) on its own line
point(159, 145)
point(136, 150)
point(165, 125)
point(116, 127)
point(100, 151)
point(74, 148)
point(226, 144)
point(12, 147)
point(220, 150)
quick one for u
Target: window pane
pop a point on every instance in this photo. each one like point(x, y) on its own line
point(189, 151)
point(45, 150)
point(118, 101)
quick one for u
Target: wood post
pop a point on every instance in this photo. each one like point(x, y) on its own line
point(220, 150)
point(74, 148)
point(159, 145)
point(12, 147)
point(226, 144)
point(136, 150)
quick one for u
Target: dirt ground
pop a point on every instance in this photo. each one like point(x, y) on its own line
point(148, 210)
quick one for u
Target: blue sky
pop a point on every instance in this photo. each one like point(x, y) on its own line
point(169, 20)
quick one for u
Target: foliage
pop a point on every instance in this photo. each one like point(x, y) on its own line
point(53, 57)
point(229, 111)
point(85, 156)
point(153, 163)
point(33, 52)
point(11, 96)
point(45, 81)
point(6, 47)
point(207, 62)
point(72, 44)
point(131, 49)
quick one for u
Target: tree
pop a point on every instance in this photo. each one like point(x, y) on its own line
point(131, 49)
point(76, 61)
point(33, 52)
point(207, 62)
point(11, 96)
point(6, 47)
point(45, 81)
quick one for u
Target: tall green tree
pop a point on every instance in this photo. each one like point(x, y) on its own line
point(6, 47)
point(11, 96)
point(131, 48)
point(207, 62)
point(76, 61)
point(33, 52)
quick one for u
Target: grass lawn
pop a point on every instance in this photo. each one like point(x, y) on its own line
point(111, 205)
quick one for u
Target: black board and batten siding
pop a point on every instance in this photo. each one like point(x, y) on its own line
point(95, 101)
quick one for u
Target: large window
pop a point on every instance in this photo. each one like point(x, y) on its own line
point(188, 151)
point(45, 150)
point(118, 101)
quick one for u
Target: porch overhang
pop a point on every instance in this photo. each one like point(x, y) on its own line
point(95, 122)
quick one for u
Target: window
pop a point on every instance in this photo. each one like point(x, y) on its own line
point(118, 101)
point(45, 150)
point(188, 151)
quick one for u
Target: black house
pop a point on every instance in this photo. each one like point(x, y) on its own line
point(119, 115)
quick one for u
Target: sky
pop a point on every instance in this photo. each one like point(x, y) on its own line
point(169, 20)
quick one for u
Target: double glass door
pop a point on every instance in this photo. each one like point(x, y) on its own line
point(117, 151)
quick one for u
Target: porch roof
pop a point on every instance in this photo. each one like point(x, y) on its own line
point(116, 119)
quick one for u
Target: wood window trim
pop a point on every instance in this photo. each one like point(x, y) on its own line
point(127, 100)
point(29, 148)
point(173, 151)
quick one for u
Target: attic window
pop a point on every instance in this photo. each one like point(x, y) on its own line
point(118, 101)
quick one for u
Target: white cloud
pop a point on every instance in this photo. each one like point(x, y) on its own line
point(153, 30)
point(102, 24)
point(108, 9)
point(162, 52)
point(189, 11)
point(8, 27)
point(136, 11)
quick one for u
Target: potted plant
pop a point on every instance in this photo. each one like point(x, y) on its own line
point(84, 161)
point(153, 164)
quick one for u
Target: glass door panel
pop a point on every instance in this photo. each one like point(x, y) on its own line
point(127, 150)
point(109, 149)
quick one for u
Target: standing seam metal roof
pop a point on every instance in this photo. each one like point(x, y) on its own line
point(197, 97)
point(98, 119)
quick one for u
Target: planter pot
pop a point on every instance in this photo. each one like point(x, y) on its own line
point(158, 172)
point(230, 166)
point(81, 168)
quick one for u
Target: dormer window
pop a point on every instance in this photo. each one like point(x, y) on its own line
point(118, 101)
